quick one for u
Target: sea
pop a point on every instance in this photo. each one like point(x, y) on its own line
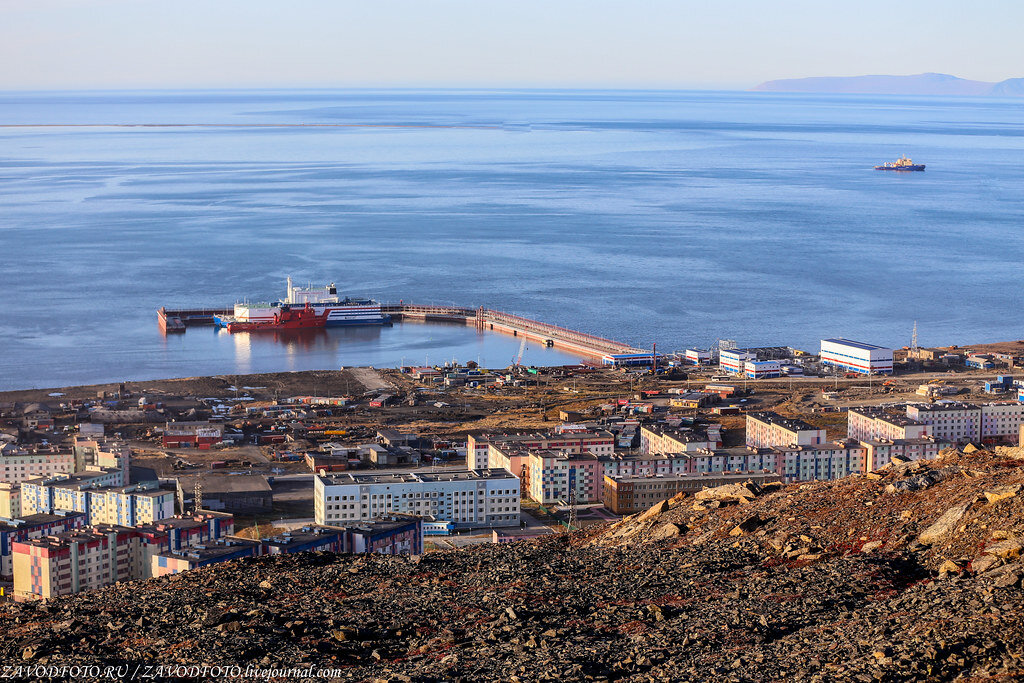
point(672, 217)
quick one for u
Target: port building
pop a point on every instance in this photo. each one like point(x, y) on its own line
point(854, 356)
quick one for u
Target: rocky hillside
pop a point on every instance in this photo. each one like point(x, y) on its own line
point(910, 574)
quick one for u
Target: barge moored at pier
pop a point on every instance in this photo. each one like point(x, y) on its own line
point(303, 307)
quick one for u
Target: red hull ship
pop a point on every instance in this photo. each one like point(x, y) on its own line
point(286, 319)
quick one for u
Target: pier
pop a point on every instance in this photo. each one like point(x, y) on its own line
point(484, 319)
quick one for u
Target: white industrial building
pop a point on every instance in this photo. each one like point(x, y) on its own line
point(854, 356)
point(762, 369)
point(467, 498)
point(698, 357)
point(733, 360)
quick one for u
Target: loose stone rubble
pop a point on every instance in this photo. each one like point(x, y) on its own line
point(830, 581)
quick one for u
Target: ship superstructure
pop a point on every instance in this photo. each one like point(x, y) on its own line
point(901, 164)
point(319, 306)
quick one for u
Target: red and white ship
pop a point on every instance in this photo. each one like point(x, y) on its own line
point(304, 307)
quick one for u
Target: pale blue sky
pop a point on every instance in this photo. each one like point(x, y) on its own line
point(48, 44)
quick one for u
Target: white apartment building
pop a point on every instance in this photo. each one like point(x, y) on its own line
point(468, 498)
point(480, 455)
point(953, 421)
point(875, 424)
point(17, 466)
point(657, 440)
point(1001, 420)
point(767, 429)
point(854, 356)
point(881, 452)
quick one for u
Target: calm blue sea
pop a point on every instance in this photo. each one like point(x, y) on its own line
point(670, 217)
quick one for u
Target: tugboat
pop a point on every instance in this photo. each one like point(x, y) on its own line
point(901, 164)
point(287, 318)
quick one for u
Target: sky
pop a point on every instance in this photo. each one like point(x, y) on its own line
point(86, 44)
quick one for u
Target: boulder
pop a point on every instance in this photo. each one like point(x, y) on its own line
point(943, 525)
point(730, 493)
point(654, 511)
point(1006, 550)
point(667, 531)
point(746, 526)
point(1002, 493)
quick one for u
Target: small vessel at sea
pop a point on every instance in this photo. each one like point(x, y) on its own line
point(901, 164)
point(303, 308)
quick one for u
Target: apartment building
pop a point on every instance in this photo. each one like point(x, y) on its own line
point(554, 476)
point(880, 453)
point(952, 420)
point(90, 557)
point(564, 438)
point(10, 500)
point(101, 495)
point(73, 561)
point(18, 465)
point(877, 424)
point(98, 452)
point(767, 429)
point(32, 526)
point(214, 552)
point(1001, 421)
point(656, 439)
point(821, 461)
point(468, 498)
point(625, 495)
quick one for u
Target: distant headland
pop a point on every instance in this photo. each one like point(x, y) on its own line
point(918, 84)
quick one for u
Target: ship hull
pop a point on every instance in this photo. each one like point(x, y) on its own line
point(379, 320)
point(915, 167)
point(288, 318)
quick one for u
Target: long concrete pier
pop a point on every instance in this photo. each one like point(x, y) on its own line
point(574, 341)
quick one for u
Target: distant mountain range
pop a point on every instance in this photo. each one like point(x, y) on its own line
point(919, 84)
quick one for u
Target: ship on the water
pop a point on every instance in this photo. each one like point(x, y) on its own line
point(303, 308)
point(901, 164)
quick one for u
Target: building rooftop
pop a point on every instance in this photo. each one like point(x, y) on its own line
point(739, 476)
point(224, 483)
point(790, 423)
point(943, 405)
point(212, 549)
point(85, 535)
point(348, 478)
point(855, 344)
point(78, 480)
point(882, 414)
